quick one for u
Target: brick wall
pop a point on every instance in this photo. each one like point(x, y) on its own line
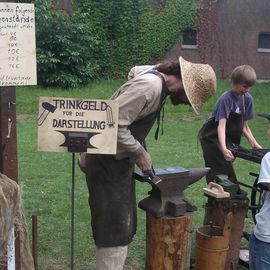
point(228, 34)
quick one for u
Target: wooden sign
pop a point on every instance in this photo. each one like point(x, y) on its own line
point(17, 44)
point(77, 125)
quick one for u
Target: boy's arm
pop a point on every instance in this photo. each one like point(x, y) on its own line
point(222, 140)
point(248, 134)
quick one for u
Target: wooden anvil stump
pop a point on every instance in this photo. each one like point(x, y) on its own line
point(169, 217)
point(168, 242)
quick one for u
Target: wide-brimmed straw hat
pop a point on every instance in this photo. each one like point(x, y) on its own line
point(199, 81)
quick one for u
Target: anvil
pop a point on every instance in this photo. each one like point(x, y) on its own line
point(168, 185)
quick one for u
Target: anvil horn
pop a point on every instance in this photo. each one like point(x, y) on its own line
point(197, 173)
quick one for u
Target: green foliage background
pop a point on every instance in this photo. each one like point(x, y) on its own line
point(104, 38)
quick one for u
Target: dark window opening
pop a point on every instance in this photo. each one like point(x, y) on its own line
point(264, 42)
point(189, 38)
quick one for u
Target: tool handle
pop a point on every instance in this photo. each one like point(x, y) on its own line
point(154, 179)
point(216, 186)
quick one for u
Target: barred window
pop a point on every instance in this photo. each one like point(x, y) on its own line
point(189, 39)
point(264, 42)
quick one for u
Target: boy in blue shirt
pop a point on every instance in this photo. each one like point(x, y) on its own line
point(227, 124)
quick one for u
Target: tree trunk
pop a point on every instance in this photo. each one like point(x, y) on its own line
point(168, 242)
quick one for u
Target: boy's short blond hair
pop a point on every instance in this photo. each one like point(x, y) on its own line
point(244, 74)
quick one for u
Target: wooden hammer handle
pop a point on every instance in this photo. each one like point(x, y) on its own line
point(219, 188)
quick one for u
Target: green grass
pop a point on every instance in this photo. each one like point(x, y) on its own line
point(46, 177)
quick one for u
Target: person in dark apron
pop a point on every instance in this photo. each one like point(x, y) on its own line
point(109, 178)
point(227, 124)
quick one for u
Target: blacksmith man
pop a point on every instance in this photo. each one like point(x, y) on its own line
point(109, 177)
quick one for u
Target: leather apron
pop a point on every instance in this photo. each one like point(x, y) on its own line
point(212, 154)
point(112, 196)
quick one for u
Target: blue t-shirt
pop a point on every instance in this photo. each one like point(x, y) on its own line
point(228, 103)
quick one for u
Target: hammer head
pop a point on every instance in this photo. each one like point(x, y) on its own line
point(48, 107)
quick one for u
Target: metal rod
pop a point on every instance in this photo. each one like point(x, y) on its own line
point(72, 213)
point(249, 186)
point(35, 241)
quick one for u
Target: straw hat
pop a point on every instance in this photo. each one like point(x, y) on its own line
point(199, 81)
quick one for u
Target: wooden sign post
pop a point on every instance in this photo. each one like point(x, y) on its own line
point(17, 67)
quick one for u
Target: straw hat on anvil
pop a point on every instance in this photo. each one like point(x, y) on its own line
point(199, 81)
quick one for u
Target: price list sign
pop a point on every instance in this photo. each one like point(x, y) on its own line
point(17, 45)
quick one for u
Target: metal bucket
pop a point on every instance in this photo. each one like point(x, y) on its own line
point(212, 245)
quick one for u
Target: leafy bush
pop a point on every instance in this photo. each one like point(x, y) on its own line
point(136, 34)
point(104, 38)
point(67, 49)
point(158, 31)
point(118, 24)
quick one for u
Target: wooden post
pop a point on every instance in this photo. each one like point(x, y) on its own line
point(168, 242)
point(8, 140)
point(8, 157)
point(8, 153)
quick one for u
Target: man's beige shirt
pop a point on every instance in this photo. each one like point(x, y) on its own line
point(138, 97)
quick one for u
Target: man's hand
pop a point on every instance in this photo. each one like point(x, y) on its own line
point(144, 162)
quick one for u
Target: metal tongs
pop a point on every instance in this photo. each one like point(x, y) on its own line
point(150, 178)
point(153, 178)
